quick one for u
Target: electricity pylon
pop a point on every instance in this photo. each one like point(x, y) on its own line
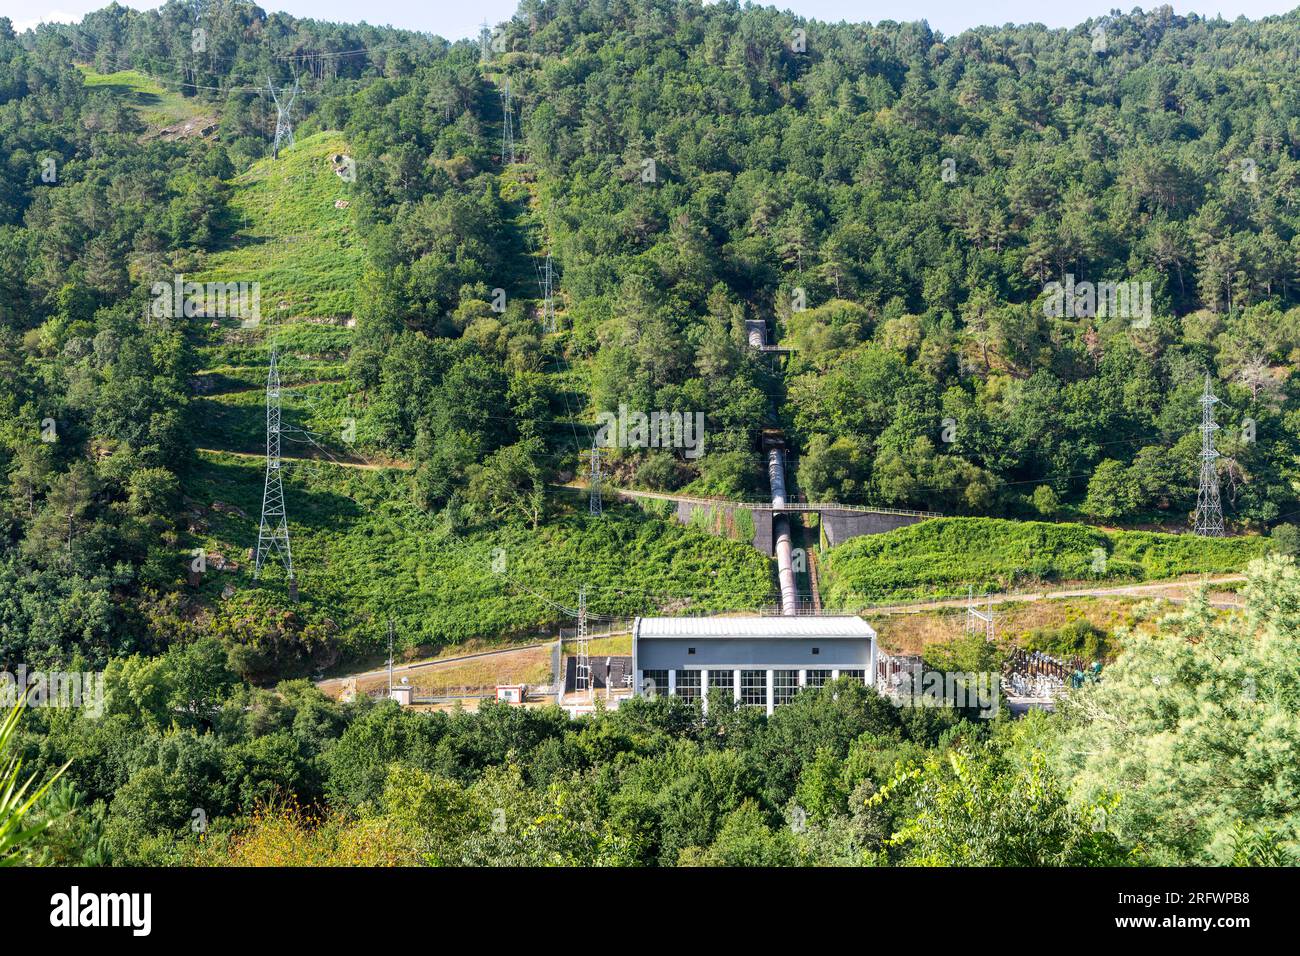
point(548, 295)
point(595, 506)
point(977, 620)
point(283, 114)
point(1209, 510)
point(273, 532)
point(507, 124)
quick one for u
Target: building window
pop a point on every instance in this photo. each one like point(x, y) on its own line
point(722, 679)
point(858, 675)
point(785, 684)
point(654, 683)
point(817, 650)
point(816, 678)
point(753, 688)
point(690, 650)
point(688, 685)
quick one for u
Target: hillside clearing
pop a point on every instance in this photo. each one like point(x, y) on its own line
point(294, 233)
point(157, 106)
point(362, 554)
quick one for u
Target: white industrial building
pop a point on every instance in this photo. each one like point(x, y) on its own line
point(761, 661)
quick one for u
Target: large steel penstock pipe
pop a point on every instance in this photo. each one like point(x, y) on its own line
point(781, 530)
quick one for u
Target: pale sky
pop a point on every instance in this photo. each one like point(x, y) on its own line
point(456, 20)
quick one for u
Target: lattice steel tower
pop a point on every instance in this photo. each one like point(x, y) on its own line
point(273, 532)
point(595, 507)
point(507, 124)
point(548, 295)
point(978, 621)
point(283, 114)
point(1209, 510)
point(582, 673)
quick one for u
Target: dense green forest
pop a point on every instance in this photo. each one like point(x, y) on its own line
point(895, 205)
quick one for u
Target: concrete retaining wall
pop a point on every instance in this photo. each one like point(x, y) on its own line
point(837, 526)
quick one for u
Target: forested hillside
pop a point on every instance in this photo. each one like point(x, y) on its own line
point(928, 226)
point(891, 202)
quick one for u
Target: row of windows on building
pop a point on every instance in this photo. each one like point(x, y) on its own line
point(753, 683)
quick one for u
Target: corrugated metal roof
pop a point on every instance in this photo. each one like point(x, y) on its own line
point(807, 626)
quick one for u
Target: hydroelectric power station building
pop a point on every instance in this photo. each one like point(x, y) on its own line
point(760, 661)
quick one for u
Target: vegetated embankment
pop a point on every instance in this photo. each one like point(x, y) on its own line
point(945, 556)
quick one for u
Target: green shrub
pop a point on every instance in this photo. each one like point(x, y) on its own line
point(1077, 639)
point(743, 524)
point(1286, 539)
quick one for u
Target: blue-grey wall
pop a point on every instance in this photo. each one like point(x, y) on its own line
point(659, 653)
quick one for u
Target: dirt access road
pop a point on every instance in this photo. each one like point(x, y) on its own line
point(1175, 590)
point(363, 465)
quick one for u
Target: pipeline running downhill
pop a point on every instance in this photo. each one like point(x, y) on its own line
point(781, 531)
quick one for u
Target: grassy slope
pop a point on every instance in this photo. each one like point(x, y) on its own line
point(228, 412)
point(945, 555)
point(362, 554)
point(307, 257)
point(157, 105)
point(361, 551)
point(306, 253)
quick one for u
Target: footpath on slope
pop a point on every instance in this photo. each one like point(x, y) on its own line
point(363, 465)
point(1173, 589)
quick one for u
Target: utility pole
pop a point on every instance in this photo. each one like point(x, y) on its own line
point(1209, 510)
point(484, 43)
point(507, 124)
point(548, 293)
point(595, 506)
point(390, 657)
point(273, 532)
point(582, 673)
point(283, 114)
